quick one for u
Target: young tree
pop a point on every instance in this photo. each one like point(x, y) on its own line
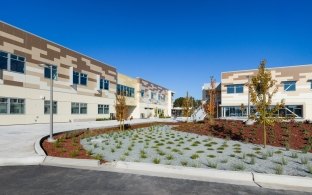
point(121, 110)
point(210, 106)
point(187, 106)
point(262, 88)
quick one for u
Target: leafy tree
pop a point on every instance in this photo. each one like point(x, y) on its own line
point(121, 110)
point(187, 106)
point(210, 106)
point(178, 102)
point(262, 88)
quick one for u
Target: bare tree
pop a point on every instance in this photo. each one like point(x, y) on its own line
point(262, 88)
point(121, 110)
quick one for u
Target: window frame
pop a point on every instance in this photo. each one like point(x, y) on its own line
point(289, 84)
point(234, 87)
point(17, 58)
point(104, 108)
point(48, 104)
point(79, 106)
point(79, 76)
point(47, 67)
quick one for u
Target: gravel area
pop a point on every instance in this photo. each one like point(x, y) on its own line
point(161, 145)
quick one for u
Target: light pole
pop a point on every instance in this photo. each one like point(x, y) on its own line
point(51, 139)
point(248, 108)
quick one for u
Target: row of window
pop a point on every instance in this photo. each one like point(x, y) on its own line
point(161, 97)
point(125, 90)
point(16, 63)
point(287, 111)
point(17, 106)
point(239, 88)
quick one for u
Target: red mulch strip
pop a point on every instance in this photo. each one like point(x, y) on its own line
point(293, 135)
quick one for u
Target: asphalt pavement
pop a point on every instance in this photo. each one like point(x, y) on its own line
point(56, 180)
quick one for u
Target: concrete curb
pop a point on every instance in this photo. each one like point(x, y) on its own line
point(38, 148)
point(213, 175)
point(284, 181)
point(30, 160)
point(50, 160)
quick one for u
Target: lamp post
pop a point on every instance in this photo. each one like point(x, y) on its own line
point(51, 139)
point(249, 121)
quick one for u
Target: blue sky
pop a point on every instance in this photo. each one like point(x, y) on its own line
point(179, 43)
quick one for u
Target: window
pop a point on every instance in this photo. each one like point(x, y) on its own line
point(80, 78)
point(124, 90)
point(17, 63)
point(75, 108)
point(103, 109)
point(79, 108)
point(76, 77)
point(12, 62)
point(83, 79)
point(153, 95)
point(4, 60)
point(104, 84)
point(4, 105)
point(47, 72)
point(12, 106)
point(142, 93)
point(289, 86)
point(47, 107)
point(235, 88)
point(310, 84)
point(17, 106)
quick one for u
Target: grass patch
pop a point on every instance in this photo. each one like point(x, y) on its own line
point(194, 156)
point(278, 169)
point(238, 167)
point(211, 156)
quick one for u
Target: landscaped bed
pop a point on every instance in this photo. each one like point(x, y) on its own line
point(160, 144)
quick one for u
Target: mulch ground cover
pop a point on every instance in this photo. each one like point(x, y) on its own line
point(295, 135)
point(68, 143)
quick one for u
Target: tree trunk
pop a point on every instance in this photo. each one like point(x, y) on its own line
point(264, 134)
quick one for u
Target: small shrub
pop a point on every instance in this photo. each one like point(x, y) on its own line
point(199, 151)
point(184, 163)
point(304, 160)
point(283, 161)
point(238, 167)
point(306, 149)
point(232, 155)
point(113, 150)
point(252, 160)
point(126, 153)
point(211, 156)
point(278, 152)
point(175, 150)
point(264, 156)
point(270, 153)
point(169, 157)
point(194, 156)
point(212, 164)
point(309, 168)
point(156, 160)
point(187, 148)
point(294, 155)
point(279, 169)
point(161, 153)
point(74, 153)
point(98, 157)
point(224, 161)
point(170, 142)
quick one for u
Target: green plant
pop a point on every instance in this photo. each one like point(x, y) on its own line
point(169, 157)
point(194, 156)
point(211, 156)
point(232, 155)
point(304, 160)
point(278, 152)
point(156, 160)
point(309, 168)
point(113, 150)
point(294, 155)
point(252, 160)
point(200, 151)
point(126, 153)
point(184, 163)
point(264, 156)
point(238, 167)
point(74, 153)
point(283, 161)
point(270, 153)
point(279, 169)
point(187, 148)
point(306, 149)
point(212, 164)
point(98, 157)
point(161, 153)
point(224, 161)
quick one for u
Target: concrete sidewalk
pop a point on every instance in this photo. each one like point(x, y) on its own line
point(17, 141)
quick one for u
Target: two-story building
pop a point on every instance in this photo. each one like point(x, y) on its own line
point(294, 86)
point(83, 88)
